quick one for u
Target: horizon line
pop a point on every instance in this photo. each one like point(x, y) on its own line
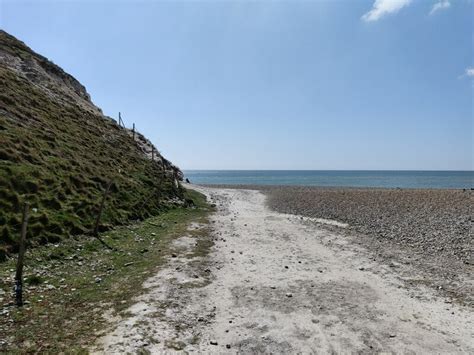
point(430, 170)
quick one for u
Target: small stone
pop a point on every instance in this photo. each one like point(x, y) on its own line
point(98, 280)
point(289, 295)
point(286, 266)
point(227, 346)
point(174, 255)
point(213, 342)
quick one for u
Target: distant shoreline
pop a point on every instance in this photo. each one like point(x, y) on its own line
point(192, 171)
point(335, 179)
point(270, 187)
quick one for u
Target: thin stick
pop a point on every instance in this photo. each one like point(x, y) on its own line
point(102, 204)
point(21, 257)
point(95, 233)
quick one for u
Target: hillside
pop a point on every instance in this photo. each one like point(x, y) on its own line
point(58, 152)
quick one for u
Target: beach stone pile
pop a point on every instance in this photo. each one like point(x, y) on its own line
point(429, 221)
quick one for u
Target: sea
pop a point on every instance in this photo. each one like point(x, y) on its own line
point(337, 178)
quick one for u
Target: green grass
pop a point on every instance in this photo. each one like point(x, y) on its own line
point(59, 157)
point(68, 316)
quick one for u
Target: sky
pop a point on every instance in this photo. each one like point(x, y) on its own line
point(334, 84)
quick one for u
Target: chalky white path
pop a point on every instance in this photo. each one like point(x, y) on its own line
point(282, 284)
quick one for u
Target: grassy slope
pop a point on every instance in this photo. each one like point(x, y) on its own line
point(59, 157)
point(68, 316)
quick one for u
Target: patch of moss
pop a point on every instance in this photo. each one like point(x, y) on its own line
point(34, 280)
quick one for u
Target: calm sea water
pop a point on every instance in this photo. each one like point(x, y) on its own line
point(384, 179)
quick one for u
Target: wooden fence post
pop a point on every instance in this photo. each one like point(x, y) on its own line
point(133, 131)
point(121, 121)
point(102, 204)
point(21, 257)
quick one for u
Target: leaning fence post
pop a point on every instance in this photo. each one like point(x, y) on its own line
point(121, 121)
point(21, 256)
point(133, 131)
point(104, 197)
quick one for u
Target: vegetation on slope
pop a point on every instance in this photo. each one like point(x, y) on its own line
point(64, 310)
point(59, 153)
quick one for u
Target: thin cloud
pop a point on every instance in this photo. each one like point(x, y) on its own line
point(440, 5)
point(381, 8)
point(470, 72)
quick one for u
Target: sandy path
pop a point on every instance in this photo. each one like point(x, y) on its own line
point(278, 283)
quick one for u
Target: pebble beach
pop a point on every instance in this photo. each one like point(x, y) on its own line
point(431, 221)
point(430, 229)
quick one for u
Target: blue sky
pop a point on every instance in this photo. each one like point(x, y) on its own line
point(384, 84)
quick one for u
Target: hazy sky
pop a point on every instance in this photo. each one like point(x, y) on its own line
point(347, 84)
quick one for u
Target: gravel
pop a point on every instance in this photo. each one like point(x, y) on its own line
point(430, 229)
point(429, 221)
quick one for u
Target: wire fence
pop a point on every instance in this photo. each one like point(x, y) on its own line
point(29, 213)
